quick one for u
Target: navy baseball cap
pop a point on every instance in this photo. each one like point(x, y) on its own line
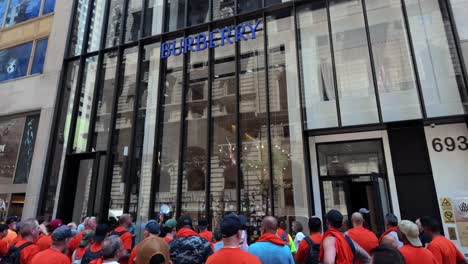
point(153, 227)
point(230, 225)
point(101, 232)
point(62, 233)
point(184, 220)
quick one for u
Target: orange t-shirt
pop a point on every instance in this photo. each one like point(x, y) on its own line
point(444, 251)
point(11, 235)
point(364, 237)
point(75, 243)
point(80, 252)
point(417, 255)
point(127, 241)
point(303, 250)
point(232, 256)
point(28, 252)
point(131, 259)
point(50, 256)
point(44, 242)
point(3, 248)
point(167, 239)
point(17, 239)
point(208, 235)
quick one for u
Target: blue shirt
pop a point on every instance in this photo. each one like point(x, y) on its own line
point(270, 253)
point(218, 246)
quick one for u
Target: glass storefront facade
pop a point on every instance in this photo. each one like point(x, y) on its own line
point(207, 131)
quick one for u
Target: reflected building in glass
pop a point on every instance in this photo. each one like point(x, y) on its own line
point(177, 107)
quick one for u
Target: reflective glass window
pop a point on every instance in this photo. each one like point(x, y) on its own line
point(3, 5)
point(396, 81)
point(49, 6)
point(223, 9)
point(175, 14)
point(244, 6)
point(85, 105)
point(96, 27)
point(353, 70)
point(11, 129)
point(275, 2)
point(198, 12)
point(39, 56)
point(153, 17)
point(26, 149)
point(79, 23)
point(317, 81)
point(134, 13)
point(15, 61)
point(114, 25)
point(22, 10)
point(290, 187)
point(459, 9)
point(440, 74)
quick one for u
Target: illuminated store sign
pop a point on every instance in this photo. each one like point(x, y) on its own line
point(214, 39)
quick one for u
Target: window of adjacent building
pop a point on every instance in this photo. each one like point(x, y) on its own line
point(13, 12)
point(48, 6)
point(39, 56)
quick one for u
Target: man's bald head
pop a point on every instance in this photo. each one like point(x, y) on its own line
point(357, 219)
point(269, 224)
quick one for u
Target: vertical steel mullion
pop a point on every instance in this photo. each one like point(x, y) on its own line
point(186, 22)
point(413, 60)
point(306, 155)
point(94, 104)
point(332, 56)
point(371, 60)
point(105, 25)
point(209, 135)
point(141, 33)
point(123, 29)
point(239, 172)
point(70, 28)
point(164, 24)
point(87, 30)
point(236, 8)
point(268, 114)
point(92, 189)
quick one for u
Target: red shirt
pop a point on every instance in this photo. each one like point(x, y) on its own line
point(232, 256)
point(17, 239)
point(28, 252)
point(207, 235)
point(303, 250)
point(11, 235)
point(444, 251)
point(417, 255)
point(364, 237)
point(75, 243)
point(3, 248)
point(344, 254)
point(126, 237)
point(80, 252)
point(44, 242)
point(49, 256)
point(167, 239)
point(131, 259)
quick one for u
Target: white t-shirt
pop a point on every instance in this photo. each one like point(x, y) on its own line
point(298, 239)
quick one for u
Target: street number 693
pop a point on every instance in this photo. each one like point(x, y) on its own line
point(450, 144)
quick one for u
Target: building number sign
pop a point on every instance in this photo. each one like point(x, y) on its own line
point(450, 144)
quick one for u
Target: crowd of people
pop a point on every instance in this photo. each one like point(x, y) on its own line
point(176, 241)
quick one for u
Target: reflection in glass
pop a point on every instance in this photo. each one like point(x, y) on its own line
point(79, 24)
point(48, 7)
point(84, 108)
point(196, 131)
point(223, 9)
point(134, 13)
point(398, 93)
point(175, 14)
point(353, 70)
point(254, 161)
point(27, 149)
point(224, 130)
point(114, 25)
point(459, 9)
point(290, 188)
point(275, 2)
point(244, 6)
point(334, 197)
point(169, 135)
point(96, 27)
point(442, 84)
point(83, 184)
point(315, 63)
point(198, 12)
point(14, 61)
point(3, 5)
point(10, 142)
point(39, 56)
point(105, 96)
point(22, 10)
point(153, 17)
point(123, 132)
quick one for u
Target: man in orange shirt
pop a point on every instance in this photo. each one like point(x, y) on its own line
point(3, 244)
point(315, 238)
point(29, 231)
point(11, 222)
point(203, 230)
point(363, 236)
point(45, 241)
point(412, 249)
point(152, 229)
point(231, 230)
point(444, 251)
point(94, 251)
point(125, 221)
point(90, 223)
point(169, 229)
point(56, 253)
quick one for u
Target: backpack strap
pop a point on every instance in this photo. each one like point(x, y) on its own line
point(309, 241)
point(353, 248)
point(118, 233)
point(24, 245)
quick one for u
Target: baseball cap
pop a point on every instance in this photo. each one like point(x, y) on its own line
point(203, 222)
point(411, 231)
point(11, 219)
point(243, 220)
point(364, 211)
point(230, 225)
point(153, 227)
point(54, 224)
point(171, 223)
point(61, 233)
point(153, 247)
point(184, 221)
point(101, 232)
point(87, 236)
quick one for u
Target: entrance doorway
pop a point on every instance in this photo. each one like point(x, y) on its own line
point(353, 177)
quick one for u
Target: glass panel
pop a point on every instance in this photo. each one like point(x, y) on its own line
point(290, 187)
point(22, 10)
point(315, 63)
point(105, 96)
point(39, 56)
point(223, 9)
point(254, 161)
point(146, 126)
point(114, 25)
point(3, 5)
point(334, 197)
point(96, 27)
point(169, 136)
point(60, 141)
point(84, 109)
point(198, 12)
point(275, 2)
point(48, 6)
point(15, 61)
point(351, 158)
point(439, 68)
point(353, 70)
point(83, 184)
point(175, 14)
point(460, 9)
point(196, 131)
point(134, 13)
point(399, 98)
point(244, 6)
point(123, 132)
point(153, 19)
point(10, 142)
point(224, 145)
point(99, 185)
point(27, 149)
point(76, 41)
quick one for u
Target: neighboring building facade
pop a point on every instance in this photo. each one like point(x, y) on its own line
point(31, 55)
point(262, 107)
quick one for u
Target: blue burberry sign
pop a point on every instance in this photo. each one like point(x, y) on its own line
point(201, 41)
